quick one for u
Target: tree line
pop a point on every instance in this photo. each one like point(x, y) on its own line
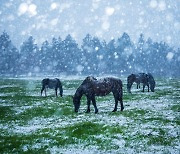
point(120, 56)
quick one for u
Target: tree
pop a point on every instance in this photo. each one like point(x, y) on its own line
point(28, 58)
point(44, 57)
point(70, 55)
point(9, 55)
point(88, 54)
point(123, 49)
point(111, 56)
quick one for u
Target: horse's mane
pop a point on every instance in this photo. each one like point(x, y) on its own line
point(150, 75)
point(45, 81)
point(88, 79)
point(131, 77)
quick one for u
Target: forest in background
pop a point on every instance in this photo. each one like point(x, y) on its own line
point(118, 56)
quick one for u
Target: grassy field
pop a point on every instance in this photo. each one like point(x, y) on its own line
point(30, 123)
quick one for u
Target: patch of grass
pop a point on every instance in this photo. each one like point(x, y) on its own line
point(21, 103)
point(64, 111)
point(81, 133)
point(140, 142)
point(6, 112)
point(176, 107)
point(72, 84)
point(158, 120)
point(161, 139)
point(134, 113)
point(87, 132)
point(177, 121)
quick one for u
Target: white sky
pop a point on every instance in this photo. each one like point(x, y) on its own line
point(107, 19)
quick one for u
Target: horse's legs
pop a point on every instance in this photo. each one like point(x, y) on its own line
point(116, 101)
point(94, 104)
point(143, 87)
point(137, 85)
point(43, 88)
point(148, 87)
point(56, 91)
point(121, 102)
point(88, 105)
point(45, 91)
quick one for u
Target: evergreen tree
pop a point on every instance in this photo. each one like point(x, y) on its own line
point(28, 58)
point(71, 55)
point(88, 54)
point(9, 55)
point(111, 56)
point(44, 57)
point(123, 48)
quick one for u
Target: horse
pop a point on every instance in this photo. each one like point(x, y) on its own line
point(52, 84)
point(92, 87)
point(146, 79)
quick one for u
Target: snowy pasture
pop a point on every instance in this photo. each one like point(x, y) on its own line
point(31, 123)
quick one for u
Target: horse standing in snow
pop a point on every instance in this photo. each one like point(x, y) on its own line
point(92, 87)
point(146, 79)
point(52, 84)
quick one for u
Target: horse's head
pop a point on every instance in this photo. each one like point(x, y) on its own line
point(152, 85)
point(129, 87)
point(130, 79)
point(76, 102)
point(151, 82)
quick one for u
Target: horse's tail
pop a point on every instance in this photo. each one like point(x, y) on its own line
point(120, 88)
point(120, 93)
point(59, 84)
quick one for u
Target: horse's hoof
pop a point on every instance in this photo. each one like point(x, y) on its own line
point(96, 112)
point(87, 111)
point(114, 110)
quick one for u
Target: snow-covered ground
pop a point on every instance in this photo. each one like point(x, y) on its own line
point(143, 118)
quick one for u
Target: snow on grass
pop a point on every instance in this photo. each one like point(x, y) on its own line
point(148, 124)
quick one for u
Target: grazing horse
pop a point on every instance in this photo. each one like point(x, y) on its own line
point(146, 79)
point(92, 87)
point(52, 84)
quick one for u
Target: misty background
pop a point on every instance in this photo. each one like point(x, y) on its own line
point(89, 37)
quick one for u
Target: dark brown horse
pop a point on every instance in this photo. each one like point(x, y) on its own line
point(146, 79)
point(92, 87)
point(52, 84)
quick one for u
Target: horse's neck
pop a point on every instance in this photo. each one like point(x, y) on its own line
point(79, 92)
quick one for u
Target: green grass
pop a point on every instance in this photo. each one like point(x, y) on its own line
point(30, 123)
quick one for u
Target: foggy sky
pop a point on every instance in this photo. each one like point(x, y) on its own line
point(106, 19)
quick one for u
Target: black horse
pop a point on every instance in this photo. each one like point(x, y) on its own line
point(146, 79)
point(52, 84)
point(92, 87)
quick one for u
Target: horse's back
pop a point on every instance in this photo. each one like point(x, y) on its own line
point(51, 83)
point(115, 81)
point(104, 86)
point(45, 81)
